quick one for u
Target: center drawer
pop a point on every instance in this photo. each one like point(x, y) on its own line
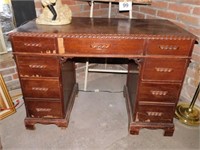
point(41, 88)
point(102, 46)
point(29, 66)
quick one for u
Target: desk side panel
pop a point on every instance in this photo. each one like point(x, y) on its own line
point(68, 76)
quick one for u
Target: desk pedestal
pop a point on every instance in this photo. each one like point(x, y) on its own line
point(63, 123)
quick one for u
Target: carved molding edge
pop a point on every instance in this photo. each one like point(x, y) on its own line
point(105, 36)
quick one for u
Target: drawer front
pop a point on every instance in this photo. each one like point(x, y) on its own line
point(35, 45)
point(37, 66)
point(159, 92)
point(41, 88)
point(167, 69)
point(100, 46)
point(170, 47)
point(44, 109)
point(154, 113)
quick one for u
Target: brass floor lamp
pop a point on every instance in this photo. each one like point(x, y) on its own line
point(189, 113)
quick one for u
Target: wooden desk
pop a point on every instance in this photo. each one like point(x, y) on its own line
point(158, 49)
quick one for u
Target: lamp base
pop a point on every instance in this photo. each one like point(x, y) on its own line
point(191, 118)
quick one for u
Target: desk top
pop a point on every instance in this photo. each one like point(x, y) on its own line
point(138, 28)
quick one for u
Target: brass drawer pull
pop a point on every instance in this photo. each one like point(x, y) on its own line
point(39, 89)
point(159, 93)
point(43, 109)
point(32, 44)
point(163, 69)
point(100, 46)
point(168, 47)
point(37, 66)
point(155, 114)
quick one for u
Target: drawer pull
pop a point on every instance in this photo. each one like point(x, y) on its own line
point(39, 89)
point(163, 69)
point(32, 44)
point(154, 114)
point(37, 66)
point(168, 47)
point(99, 46)
point(159, 93)
point(43, 109)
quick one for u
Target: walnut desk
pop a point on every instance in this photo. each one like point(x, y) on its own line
point(158, 50)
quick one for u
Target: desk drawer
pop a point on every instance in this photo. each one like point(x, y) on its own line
point(170, 47)
point(155, 113)
point(37, 66)
point(167, 69)
point(35, 44)
point(159, 92)
point(102, 46)
point(41, 88)
point(44, 109)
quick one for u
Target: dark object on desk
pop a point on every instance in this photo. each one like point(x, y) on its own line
point(158, 50)
point(53, 11)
